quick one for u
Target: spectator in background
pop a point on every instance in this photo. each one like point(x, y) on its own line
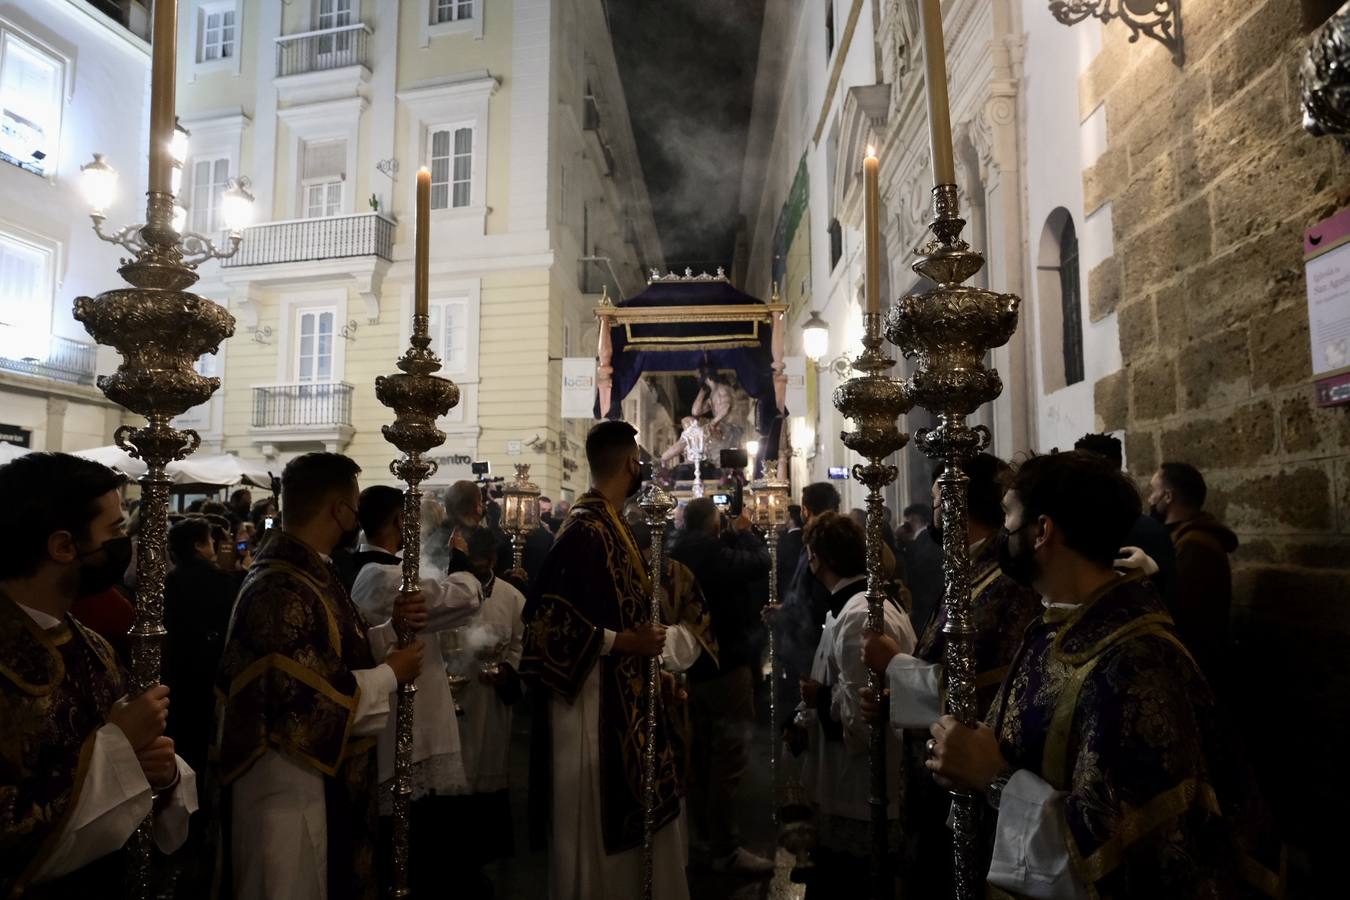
point(241, 503)
point(923, 562)
point(546, 514)
point(1147, 534)
point(789, 550)
point(722, 700)
point(1202, 594)
point(197, 601)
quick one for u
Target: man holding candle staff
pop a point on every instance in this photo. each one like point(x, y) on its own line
point(587, 642)
point(1101, 757)
point(301, 699)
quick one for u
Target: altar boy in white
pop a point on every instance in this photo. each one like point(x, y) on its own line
point(438, 768)
point(836, 772)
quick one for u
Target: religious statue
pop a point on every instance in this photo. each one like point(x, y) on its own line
point(723, 432)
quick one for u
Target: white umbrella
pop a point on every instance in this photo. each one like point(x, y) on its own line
point(220, 470)
point(114, 457)
point(10, 452)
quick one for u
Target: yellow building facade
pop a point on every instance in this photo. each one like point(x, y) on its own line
point(329, 107)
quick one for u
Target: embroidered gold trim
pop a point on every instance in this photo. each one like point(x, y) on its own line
point(262, 568)
point(1139, 822)
point(53, 839)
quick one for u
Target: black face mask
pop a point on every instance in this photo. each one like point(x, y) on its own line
point(350, 536)
point(97, 577)
point(635, 484)
point(1019, 565)
point(1159, 515)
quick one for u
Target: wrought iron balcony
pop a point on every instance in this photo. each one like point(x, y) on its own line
point(319, 51)
point(301, 240)
point(302, 406)
point(49, 356)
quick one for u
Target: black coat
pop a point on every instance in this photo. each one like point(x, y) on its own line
point(726, 574)
point(198, 598)
point(923, 575)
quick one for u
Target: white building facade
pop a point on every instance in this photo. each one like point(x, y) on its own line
point(73, 81)
point(836, 76)
point(329, 107)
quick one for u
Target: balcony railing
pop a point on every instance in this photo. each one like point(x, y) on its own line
point(318, 51)
point(52, 357)
point(302, 405)
point(300, 240)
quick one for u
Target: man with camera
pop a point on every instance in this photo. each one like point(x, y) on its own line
point(726, 561)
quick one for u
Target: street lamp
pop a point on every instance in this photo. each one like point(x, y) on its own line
point(815, 337)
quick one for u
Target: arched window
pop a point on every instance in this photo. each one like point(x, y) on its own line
point(1060, 302)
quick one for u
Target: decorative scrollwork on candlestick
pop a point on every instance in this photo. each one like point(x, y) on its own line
point(769, 498)
point(947, 331)
point(418, 397)
point(656, 506)
point(875, 401)
point(160, 329)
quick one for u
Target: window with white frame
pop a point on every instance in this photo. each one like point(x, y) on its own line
point(451, 157)
point(216, 33)
point(322, 172)
point(314, 344)
point(26, 270)
point(443, 11)
point(30, 103)
point(210, 178)
point(331, 14)
point(447, 323)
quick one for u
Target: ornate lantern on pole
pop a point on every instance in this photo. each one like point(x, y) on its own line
point(947, 331)
point(769, 499)
point(874, 401)
point(418, 398)
point(520, 511)
point(656, 506)
point(160, 329)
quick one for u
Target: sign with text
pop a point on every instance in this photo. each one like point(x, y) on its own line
point(1326, 258)
point(794, 367)
point(13, 434)
point(578, 387)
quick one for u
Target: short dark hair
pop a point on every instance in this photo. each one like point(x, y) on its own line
point(795, 515)
point(45, 493)
point(1090, 501)
point(311, 479)
point(1185, 481)
point(378, 505)
point(241, 493)
point(482, 543)
point(988, 483)
point(461, 497)
point(838, 542)
point(185, 535)
point(922, 510)
point(698, 513)
point(543, 499)
point(1107, 446)
point(820, 497)
point(608, 444)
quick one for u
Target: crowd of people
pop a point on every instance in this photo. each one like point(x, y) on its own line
point(266, 757)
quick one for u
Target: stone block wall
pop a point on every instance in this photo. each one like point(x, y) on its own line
point(1211, 182)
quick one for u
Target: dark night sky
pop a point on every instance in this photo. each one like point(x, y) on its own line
point(688, 70)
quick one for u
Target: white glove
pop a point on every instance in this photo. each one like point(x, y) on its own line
point(1134, 558)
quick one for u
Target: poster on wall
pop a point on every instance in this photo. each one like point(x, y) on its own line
point(578, 387)
point(1326, 260)
point(14, 434)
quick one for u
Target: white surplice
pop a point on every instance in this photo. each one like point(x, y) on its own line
point(579, 867)
point(485, 727)
point(279, 826)
point(836, 775)
point(114, 799)
point(451, 600)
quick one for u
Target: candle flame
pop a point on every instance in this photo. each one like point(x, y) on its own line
point(871, 152)
point(423, 171)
